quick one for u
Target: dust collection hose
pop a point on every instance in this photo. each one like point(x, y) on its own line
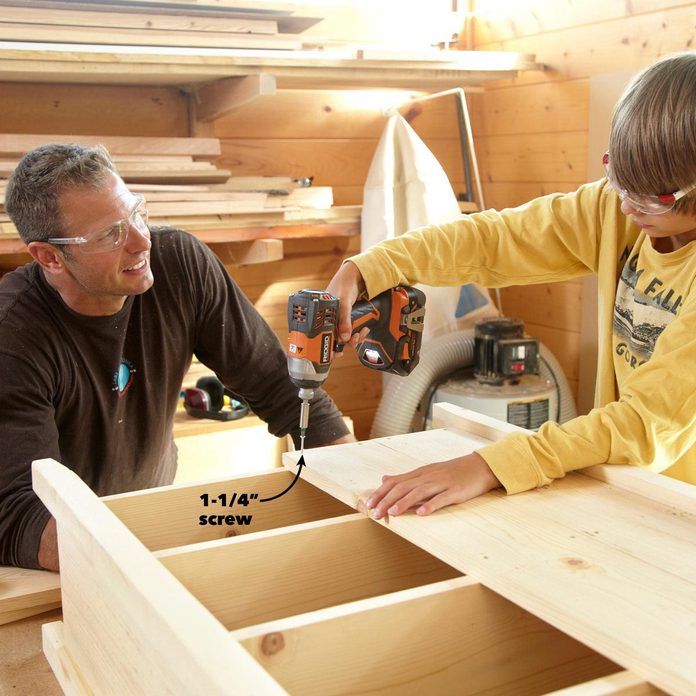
point(438, 358)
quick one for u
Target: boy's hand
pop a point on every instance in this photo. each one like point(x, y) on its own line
point(432, 487)
point(347, 285)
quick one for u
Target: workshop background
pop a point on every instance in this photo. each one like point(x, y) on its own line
point(532, 135)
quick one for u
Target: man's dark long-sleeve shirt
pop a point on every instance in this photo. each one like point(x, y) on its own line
point(99, 393)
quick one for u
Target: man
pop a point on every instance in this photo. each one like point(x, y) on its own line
point(97, 333)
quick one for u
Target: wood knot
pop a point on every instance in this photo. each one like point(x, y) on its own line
point(272, 643)
point(231, 533)
point(576, 563)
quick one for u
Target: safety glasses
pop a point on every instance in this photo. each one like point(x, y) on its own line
point(646, 204)
point(112, 236)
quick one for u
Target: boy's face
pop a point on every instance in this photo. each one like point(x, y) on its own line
point(677, 228)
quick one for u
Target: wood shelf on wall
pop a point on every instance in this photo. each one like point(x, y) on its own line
point(88, 63)
point(13, 251)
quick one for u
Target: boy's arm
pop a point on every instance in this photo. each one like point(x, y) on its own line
point(651, 425)
point(552, 238)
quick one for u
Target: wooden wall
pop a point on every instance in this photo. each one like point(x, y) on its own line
point(532, 132)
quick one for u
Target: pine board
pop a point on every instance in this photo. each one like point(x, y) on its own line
point(613, 569)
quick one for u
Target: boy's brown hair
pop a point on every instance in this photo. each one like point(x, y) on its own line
point(652, 146)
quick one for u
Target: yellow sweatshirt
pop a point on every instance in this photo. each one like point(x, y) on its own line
point(645, 398)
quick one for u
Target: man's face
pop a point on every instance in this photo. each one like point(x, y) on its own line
point(98, 283)
point(680, 228)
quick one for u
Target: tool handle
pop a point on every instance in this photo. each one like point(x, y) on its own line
point(393, 343)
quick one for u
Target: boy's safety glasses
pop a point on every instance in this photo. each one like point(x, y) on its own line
point(646, 204)
point(112, 236)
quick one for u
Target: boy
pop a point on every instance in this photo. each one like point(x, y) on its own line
point(636, 229)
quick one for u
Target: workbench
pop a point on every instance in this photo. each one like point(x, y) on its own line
point(587, 586)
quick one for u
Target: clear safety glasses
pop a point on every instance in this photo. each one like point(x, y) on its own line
point(646, 204)
point(112, 236)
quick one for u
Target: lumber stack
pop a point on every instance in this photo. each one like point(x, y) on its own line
point(207, 25)
point(183, 188)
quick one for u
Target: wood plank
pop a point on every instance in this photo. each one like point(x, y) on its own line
point(619, 684)
point(113, 64)
point(205, 148)
point(351, 114)
point(539, 108)
point(223, 231)
point(19, 614)
point(109, 634)
point(604, 592)
point(312, 566)
point(251, 253)
point(532, 157)
point(111, 36)
point(476, 640)
point(26, 592)
point(333, 162)
point(626, 43)
point(63, 16)
point(554, 305)
point(218, 98)
point(120, 111)
point(287, 24)
point(495, 22)
point(64, 668)
point(168, 516)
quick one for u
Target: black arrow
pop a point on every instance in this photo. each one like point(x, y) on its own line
point(300, 463)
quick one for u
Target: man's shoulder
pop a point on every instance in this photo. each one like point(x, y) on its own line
point(169, 243)
point(15, 286)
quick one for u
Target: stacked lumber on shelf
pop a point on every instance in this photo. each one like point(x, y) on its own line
point(207, 25)
point(189, 42)
point(183, 188)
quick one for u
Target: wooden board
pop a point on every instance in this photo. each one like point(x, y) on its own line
point(204, 148)
point(110, 36)
point(576, 554)
point(291, 593)
point(72, 62)
point(26, 592)
point(66, 16)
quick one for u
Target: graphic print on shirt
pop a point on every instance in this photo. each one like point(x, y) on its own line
point(644, 307)
point(123, 378)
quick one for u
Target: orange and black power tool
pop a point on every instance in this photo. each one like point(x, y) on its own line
point(395, 322)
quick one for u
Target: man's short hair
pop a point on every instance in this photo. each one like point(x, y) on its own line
point(652, 147)
point(42, 175)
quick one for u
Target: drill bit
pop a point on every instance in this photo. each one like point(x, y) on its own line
point(306, 395)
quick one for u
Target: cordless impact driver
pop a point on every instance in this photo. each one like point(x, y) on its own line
point(395, 322)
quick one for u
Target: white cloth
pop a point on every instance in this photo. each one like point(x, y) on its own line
point(406, 188)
